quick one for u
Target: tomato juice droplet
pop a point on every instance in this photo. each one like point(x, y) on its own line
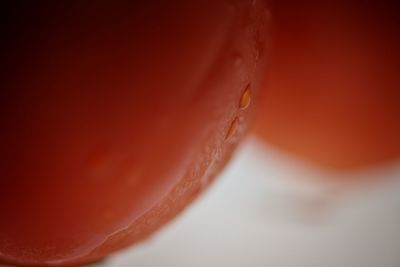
point(245, 99)
point(232, 129)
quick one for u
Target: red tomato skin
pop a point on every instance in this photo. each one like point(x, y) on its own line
point(115, 117)
point(331, 95)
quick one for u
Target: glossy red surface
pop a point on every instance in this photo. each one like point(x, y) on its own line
point(115, 116)
point(332, 94)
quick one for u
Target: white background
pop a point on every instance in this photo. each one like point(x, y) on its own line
point(267, 210)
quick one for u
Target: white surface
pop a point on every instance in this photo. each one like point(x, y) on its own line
point(262, 213)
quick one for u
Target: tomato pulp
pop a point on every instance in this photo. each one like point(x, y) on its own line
point(115, 116)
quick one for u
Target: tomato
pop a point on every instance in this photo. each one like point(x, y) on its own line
point(332, 94)
point(115, 116)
